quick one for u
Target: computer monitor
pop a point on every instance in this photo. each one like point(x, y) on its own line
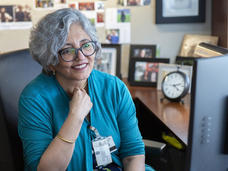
point(207, 136)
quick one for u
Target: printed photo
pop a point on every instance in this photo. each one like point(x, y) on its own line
point(99, 6)
point(133, 2)
point(61, 1)
point(6, 14)
point(123, 15)
point(107, 61)
point(104, 62)
point(15, 17)
point(146, 2)
point(86, 6)
point(100, 17)
point(121, 2)
point(112, 36)
point(73, 5)
point(138, 2)
point(44, 3)
point(146, 71)
point(60, 4)
point(22, 13)
point(143, 53)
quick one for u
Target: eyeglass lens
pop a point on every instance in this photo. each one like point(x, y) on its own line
point(70, 54)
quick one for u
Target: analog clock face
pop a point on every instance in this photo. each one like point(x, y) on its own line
point(173, 85)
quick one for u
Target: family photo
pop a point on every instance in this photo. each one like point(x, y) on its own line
point(146, 71)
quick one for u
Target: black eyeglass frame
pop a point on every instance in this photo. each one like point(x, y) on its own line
point(76, 51)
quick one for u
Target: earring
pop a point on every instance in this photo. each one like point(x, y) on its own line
point(53, 72)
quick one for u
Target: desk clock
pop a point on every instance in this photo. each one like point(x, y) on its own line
point(175, 85)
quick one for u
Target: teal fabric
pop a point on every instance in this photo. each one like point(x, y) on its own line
point(44, 105)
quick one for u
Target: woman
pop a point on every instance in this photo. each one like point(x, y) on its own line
point(62, 110)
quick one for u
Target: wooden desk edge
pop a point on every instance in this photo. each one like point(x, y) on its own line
point(178, 125)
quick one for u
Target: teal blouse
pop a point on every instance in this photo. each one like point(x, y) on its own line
point(44, 106)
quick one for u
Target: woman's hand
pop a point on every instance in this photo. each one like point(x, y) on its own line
point(58, 154)
point(80, 103)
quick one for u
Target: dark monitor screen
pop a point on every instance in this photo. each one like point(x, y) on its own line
point(207, 138)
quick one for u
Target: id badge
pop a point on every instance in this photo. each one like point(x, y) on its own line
point(102, 151)
point(111, 144)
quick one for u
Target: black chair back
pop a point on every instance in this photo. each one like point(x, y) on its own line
point(16, 70)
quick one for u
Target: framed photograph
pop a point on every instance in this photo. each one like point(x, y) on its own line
point(144, 71)
point(164, 69)
point(143, 51)
point(109, 61)
point(180, 11)
point(185, 60)
point(190, 42)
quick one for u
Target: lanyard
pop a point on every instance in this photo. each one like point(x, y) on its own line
point(101, 148)
point(95, 131)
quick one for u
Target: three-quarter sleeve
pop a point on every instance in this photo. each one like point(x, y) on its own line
point(34, 128)
point(131, 139)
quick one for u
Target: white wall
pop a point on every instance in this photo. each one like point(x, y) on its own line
point(143, 31)
point(167, 36)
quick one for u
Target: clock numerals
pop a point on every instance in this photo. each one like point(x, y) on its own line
point(174, 85)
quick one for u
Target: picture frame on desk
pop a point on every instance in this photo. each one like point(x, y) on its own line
point(188, 11)
point(142, 51)
point(144, 71)
point(191, 41)
point(180, 60)
point(164, 69)
point(110, 59)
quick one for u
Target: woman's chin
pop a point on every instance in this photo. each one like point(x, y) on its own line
point(81, 77)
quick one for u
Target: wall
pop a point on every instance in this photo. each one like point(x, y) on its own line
point(143, 31)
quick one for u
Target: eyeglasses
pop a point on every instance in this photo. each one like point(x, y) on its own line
point(70, 54)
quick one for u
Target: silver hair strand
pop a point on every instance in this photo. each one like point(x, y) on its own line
point(50, 35)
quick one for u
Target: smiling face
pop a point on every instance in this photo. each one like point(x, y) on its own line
point(81, 67)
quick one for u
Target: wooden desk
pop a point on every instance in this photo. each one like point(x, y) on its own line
point(174, 115)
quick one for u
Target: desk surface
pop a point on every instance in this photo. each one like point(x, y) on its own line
point(174, 115)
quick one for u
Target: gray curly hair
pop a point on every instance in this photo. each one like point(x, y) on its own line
point(50, 35)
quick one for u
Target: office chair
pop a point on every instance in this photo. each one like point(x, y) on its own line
point(16, 70)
